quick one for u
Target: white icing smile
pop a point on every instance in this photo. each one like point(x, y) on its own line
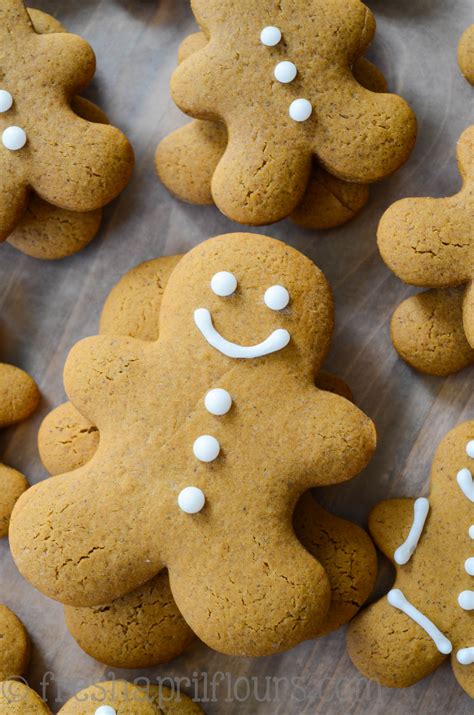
point(278, 340)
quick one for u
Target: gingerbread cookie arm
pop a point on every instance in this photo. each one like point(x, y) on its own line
point(428, 333)
point(390, 523)
point(66, 440)
point(464, 675)
point(12, 486)
point(388, 646)
point(13, 199)
point(338, 439)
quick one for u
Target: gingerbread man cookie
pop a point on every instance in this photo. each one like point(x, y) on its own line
point(428, 614)
point(19, 397)
point(187, 159)
point(125, 633)
point(286, 94)
point(430, 242)
point(251, 320)
point(466, 54)
point(15, 645)
point(117, 697)
point(16, 698)
point(45, 147)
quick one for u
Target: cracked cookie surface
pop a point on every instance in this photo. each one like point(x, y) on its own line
point(280, 595)
point(430, 243)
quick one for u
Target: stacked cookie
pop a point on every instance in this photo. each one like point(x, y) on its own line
point(63, 161)
point(287, 122)
point(193, 471)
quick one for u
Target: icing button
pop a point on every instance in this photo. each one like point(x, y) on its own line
point(465, 656)
point(105, 710)
point(191, 500)
point(285, 72)
point(218, 402)
point(223, 284)
point(469, 566)
point(14, 138)
point(470, 449)
point(300, 110)
point(471, 531)
point(466, 600)
point(206, 448)
point(270, 36)
point(6, 100)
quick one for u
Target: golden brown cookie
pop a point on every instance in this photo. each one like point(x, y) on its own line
point(187, 159)
point(139, 630)
point(286, 98)
point(19, 397)
point(45, 231)
point(14, 645)
point(114, 634)
point(466, 54)
point(294, 341)
point(428, 614)
point(45, 147)
point(430, 242)
point(16, 698)
point(170, 702)
point(114, 697)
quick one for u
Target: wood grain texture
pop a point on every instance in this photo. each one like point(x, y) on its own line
point(47, 307)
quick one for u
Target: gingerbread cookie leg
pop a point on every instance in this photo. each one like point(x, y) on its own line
point(385, 643)
point(427, 331)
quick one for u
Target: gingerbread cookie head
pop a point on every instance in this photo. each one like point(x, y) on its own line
point(428, 614)
point(69, 162)
point(279, 76)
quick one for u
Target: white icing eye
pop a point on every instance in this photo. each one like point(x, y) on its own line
point(105, 710)
point(13, 138)
point(276, 298)
point(466, 600)
point(206, 448)
point(270, 36)
point(223, 284)
point(6, 100)
point(300, 110)
point(285, 72)
point(191, 500)
point(470, 449)
point(218, 402)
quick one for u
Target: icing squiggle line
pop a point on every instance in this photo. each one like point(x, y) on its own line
point(464, 479)
point(396, 599)
point(404, 552)
point(465, 656)
point(278, 340)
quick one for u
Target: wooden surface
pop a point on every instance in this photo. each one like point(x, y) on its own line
point(46, 308)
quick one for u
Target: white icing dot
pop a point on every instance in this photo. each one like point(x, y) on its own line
point(223, 284)
point(191, 500)
point(300, 110)
point(105, 710)
point(14, 138)
point(218, 401)
point(471, 531)
point(469, 566)
point(276, 297)
point(270, 36)
point(206, 448)
point(470, 449)
point(285, 72)
point(465, 656)
point(6, 100)
point(466, 600)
